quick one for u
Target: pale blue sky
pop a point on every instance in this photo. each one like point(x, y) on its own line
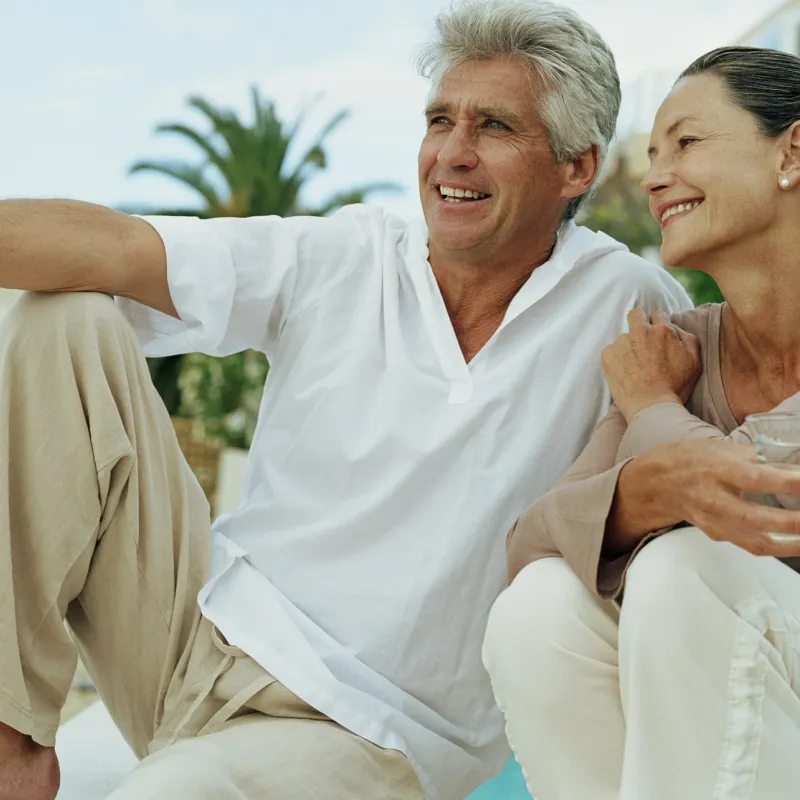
point(85, 82)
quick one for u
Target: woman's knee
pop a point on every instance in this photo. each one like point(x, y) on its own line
point(532, 614)
point(670, 583)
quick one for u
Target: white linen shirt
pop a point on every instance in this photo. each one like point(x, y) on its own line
point(385, 471)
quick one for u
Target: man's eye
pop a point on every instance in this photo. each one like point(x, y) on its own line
point(438, 121)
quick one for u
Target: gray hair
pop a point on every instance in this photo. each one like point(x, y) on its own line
point(564, 52)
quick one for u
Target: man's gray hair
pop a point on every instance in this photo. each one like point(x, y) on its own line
point(564, 52)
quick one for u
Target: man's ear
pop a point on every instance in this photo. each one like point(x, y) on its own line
point(581, 172)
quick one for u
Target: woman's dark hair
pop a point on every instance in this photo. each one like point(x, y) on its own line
point(764, 82)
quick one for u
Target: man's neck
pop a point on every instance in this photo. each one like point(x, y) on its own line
point(477, 290)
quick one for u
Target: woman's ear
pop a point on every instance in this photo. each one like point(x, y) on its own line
point(789, 162)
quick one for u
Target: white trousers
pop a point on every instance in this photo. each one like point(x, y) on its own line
point(691, 692)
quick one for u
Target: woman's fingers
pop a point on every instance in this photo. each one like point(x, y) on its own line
point(761, 530)
point(637, 319)
point(750, 477)
point(660, 317)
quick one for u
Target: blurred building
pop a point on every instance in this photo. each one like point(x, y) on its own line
point(780, 30)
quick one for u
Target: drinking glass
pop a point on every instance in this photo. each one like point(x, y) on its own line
point(776, 439)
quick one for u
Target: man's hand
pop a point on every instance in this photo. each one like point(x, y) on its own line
point(704, 482)
point(654, 363)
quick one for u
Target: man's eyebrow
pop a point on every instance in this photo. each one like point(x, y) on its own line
point(651, 151)
point(486, 112)
point(436, 108)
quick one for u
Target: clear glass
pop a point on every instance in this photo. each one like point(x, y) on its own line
point(776, 439)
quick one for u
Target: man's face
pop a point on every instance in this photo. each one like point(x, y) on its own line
point(484, 135)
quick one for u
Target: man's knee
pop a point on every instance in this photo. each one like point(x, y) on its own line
point(187, 770)
point(36, 313)
point(65, 326)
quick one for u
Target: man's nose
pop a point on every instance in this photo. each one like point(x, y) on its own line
point(459, 151)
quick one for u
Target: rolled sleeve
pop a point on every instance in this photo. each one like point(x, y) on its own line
point(236, 281)
point(202, 284)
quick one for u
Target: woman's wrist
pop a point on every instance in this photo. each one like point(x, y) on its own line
point(640, 504)
point(633, 405)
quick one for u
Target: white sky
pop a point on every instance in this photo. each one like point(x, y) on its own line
point(85, 82)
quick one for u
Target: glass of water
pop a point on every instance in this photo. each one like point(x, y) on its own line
point(776, 439)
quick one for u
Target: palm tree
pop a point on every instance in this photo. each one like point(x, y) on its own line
point(245, 170)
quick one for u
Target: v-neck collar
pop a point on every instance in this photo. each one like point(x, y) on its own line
point(573, 244)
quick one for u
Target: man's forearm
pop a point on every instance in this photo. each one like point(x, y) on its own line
point(639, 505)
point(68, 245)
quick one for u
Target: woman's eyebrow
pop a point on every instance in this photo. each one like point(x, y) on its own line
point(651, 151)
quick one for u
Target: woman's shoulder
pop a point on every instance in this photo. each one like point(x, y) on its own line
point(696, 320)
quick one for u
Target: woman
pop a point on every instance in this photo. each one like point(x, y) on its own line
point(690, 688)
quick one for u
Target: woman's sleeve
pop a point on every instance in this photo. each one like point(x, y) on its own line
point(570, 521)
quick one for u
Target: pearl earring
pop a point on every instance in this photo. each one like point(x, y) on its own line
point(785, 183)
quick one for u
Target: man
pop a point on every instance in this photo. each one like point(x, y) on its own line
point(422, 392)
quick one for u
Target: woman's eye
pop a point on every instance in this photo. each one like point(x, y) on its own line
point(496, 125)
point(685, 141)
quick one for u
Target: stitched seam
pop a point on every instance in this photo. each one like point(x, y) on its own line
point(745, 724)
point(26, 713)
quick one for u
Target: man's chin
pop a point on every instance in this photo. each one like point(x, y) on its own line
point(448, 238)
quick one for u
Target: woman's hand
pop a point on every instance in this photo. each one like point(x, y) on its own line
point(654, 363)
point(706, 483)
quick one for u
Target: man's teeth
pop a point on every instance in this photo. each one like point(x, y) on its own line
point(458, 194)
point(680, 208)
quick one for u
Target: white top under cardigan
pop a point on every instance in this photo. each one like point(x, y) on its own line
point(361, 565)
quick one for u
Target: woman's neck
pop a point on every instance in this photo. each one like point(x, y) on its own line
point(760, 337)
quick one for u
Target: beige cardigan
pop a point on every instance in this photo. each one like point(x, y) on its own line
point(570, 520)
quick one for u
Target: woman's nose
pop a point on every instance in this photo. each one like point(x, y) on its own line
point(657, 178)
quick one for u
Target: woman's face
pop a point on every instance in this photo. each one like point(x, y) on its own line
point(713, 178)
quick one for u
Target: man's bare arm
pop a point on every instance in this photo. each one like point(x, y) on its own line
point(71, 246)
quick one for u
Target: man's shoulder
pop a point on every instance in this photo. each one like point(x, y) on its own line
point(371, 217)
point(613, 264)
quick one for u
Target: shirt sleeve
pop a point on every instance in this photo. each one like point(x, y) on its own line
point(235, 281)
point(570, 520)
point(666, 294)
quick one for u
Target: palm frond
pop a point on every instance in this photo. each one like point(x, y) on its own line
point(187, 174)
point(217, 159)
point(357, 194)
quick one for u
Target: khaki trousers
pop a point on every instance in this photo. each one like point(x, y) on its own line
point(105, 531)
point(691, 692)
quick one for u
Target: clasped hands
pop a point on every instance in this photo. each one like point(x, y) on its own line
point(703, 481)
